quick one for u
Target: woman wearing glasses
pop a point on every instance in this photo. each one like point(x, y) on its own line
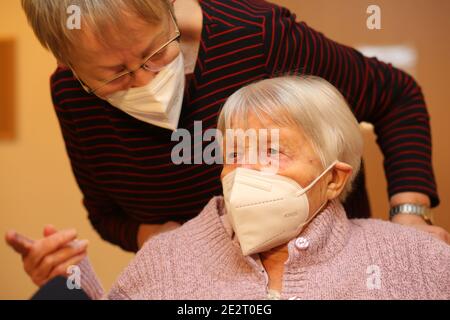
point(138, 69)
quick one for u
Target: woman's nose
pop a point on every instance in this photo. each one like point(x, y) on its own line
point(252, 166)
point(141, 78)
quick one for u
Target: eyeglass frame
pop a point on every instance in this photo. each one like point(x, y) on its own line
point(142, 66)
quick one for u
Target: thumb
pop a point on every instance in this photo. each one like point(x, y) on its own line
point(49, 230)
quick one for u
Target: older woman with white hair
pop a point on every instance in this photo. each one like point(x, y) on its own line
point(285, 234)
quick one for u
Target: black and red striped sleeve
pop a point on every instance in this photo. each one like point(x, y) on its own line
point(378, 93)
point(107, 218)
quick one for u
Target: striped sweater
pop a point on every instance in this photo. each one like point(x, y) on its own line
point(123, 166)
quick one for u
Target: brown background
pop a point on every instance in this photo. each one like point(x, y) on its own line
point(36, 183)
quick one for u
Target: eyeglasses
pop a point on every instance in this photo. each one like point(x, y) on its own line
point(153, 63)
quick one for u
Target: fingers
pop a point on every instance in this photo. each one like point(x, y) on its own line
point(61, 270)
point(48, 257)
point(440, 233)
point(447, 237)
point(49, 230)
point(19, 243)
point(43, 247)
point(437, 232)
point(45, 271)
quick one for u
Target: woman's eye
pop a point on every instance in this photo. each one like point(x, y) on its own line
point(118, 80)
point(273, 151)
point(119, 71)
point(159, 54)
point(234, 155)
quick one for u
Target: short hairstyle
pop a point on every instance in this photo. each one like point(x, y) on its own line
point(308, 102)
point(48, 19)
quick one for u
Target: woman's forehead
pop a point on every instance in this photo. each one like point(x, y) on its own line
point(261, 122)
point(284, 135)
point(135, 38)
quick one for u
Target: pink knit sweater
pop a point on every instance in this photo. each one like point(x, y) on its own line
point(333, 258)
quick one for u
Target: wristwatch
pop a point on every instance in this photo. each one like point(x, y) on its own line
point(414, 209)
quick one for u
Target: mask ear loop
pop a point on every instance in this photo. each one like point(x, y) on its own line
point(317, 179)
point(307, 189)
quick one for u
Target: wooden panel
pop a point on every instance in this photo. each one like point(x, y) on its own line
point(7, 89)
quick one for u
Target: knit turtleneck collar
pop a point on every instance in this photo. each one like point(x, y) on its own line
point(323, 238)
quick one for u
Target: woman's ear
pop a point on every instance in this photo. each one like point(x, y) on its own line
point(340, 174)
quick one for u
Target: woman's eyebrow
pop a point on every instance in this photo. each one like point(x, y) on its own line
point(146, 52)
point(111, 68)
point(151, 47)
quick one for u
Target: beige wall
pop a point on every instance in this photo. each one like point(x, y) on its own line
point(36, 183)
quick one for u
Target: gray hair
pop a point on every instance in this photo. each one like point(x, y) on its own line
point(48, 19)
point(308, 102)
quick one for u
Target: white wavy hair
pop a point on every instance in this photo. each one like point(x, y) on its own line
point(308, 102)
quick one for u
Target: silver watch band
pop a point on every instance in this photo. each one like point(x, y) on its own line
point(411, 208)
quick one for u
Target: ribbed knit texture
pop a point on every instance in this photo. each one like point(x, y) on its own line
point(202, 260)
point(123, 166)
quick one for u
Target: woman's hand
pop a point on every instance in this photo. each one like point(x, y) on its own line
point(416, 221)
point(147, 231)
point(49, 257)
point(420, 224)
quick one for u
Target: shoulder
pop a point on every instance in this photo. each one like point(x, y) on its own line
point(70, 100)
point(242, 12)
point(407, 253)
point(62, 78)
point(390, 229)
point(394, 234)
point(66, 90)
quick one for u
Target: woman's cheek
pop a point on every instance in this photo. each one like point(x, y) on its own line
point(282, 162)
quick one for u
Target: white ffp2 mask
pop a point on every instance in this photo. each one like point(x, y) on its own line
point(266, 210)
point(160, 101)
